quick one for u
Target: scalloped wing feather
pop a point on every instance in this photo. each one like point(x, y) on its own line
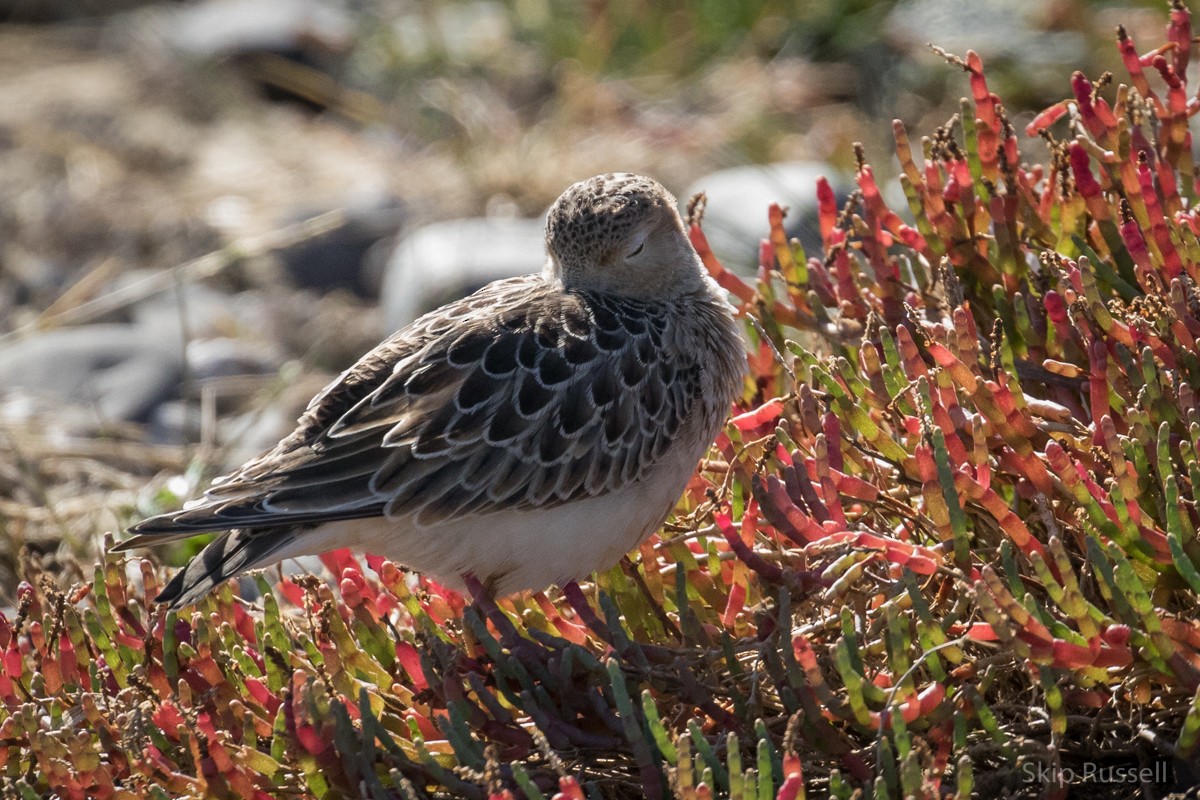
point(519, 396)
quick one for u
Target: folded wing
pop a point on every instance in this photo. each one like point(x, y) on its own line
point(516, 397)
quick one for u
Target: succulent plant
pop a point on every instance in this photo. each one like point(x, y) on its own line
point(949, 541)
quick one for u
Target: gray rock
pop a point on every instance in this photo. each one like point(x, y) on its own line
point(995, 28)
point(211, 363)
point(202, 311)
point(119, 372)
point(217, 27)
point(248, 36)
point(448, 260)
point(346, 257)
point(224, 357)
point(173, 422)
point(735, 219)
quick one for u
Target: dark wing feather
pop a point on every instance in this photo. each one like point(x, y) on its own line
point(229, 554)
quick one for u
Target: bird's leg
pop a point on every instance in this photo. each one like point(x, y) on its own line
point(668, 624)
point(480, 600)
point(482, 597)
point(578, 602)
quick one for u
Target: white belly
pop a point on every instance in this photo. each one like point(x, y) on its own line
point(513, 551)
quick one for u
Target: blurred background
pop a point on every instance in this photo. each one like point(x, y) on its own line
point(208, 209)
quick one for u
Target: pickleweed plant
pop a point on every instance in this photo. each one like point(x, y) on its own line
point(947, 543)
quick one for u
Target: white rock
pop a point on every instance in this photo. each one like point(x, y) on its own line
point(448, 260)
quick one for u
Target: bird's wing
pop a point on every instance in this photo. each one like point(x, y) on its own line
point(516, 397)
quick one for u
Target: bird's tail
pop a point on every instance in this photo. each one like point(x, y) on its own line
point(230, 554)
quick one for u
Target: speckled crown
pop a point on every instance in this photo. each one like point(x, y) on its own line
point(592, 215)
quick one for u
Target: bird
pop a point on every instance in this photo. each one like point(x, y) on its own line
point(521, 437)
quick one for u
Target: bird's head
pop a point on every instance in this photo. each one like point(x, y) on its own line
point(621, 234)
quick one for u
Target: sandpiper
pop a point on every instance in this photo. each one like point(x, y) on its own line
point(523, 436)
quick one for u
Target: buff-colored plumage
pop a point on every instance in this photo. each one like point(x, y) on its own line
point(526, 435)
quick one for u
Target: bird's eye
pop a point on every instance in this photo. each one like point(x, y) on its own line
point(636, 250)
